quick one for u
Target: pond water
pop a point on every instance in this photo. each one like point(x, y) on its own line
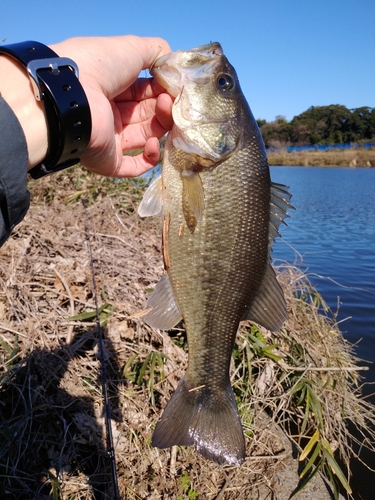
point(331, 236)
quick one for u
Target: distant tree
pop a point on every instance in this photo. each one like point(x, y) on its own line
point(261, 122)
point(333, 124)
point(371, 124)
point(280, 118)
point(359, 125)
point(276, 132)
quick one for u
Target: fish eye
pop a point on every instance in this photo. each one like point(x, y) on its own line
point(225, 82)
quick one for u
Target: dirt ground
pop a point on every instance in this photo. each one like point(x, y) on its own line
point(52, 430)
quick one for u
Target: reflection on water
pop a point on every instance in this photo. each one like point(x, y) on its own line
point(333, 232)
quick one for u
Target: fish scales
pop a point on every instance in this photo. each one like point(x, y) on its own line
point(221, 257)
point(221, 214)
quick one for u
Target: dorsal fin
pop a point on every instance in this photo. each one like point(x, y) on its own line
point(279, 206)
point(268, 308)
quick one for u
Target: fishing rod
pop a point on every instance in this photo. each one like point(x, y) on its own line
point(107, 410)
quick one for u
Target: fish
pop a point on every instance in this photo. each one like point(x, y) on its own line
point(221, 214)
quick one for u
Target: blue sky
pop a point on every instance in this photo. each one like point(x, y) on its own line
point(288, 54)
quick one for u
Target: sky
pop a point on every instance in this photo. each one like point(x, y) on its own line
point(288, 54)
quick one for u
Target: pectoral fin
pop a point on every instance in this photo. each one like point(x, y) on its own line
point(151, 203)
point(268, 308)
point(164, 313)
point(192, 198)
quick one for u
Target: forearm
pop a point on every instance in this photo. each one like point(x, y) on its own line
point(16, 90)
point(14, 197)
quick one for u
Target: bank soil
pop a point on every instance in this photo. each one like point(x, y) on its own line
point(52, 427)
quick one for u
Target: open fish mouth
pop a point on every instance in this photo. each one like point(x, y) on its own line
point(172, 70)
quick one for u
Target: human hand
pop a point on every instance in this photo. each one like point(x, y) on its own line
point(127, 112)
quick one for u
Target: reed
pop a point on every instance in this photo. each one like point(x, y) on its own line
point(355, 157)
point(52, 437)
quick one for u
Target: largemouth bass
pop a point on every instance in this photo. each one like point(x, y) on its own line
point(221, 214)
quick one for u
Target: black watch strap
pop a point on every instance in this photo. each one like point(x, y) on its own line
point(56, 85)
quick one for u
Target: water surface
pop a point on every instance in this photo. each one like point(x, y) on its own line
point(333, 231)
point(331, 235)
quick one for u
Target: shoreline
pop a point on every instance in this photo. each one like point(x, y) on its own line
point(304, 376)
point(345, 158)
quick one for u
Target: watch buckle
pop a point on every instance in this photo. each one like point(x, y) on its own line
point(54, 64)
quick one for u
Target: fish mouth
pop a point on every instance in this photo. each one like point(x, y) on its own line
point(167, 75)
point(208, 51)
point(172, 70)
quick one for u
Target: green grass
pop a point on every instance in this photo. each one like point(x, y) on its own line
point(306, 376)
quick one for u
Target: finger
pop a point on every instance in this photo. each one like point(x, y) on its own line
point(133, 166)
point(152, 49)
point(142, 112)
point(142, 88)
point(140, 121)
point(129, 55)
point(163, 111)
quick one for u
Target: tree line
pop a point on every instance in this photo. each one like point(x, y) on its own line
point(334, 124)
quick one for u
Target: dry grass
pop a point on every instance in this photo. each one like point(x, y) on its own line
point(355, 157)
point(317, 362)
point(52, 432)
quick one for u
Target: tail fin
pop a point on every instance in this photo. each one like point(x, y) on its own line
point(208, 421)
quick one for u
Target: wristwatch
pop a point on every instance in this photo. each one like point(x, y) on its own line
point(55, 83)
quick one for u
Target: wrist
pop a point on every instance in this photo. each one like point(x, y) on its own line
point(55, 84)
point(17, 91)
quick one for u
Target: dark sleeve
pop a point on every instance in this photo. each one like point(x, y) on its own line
point(14, 197)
